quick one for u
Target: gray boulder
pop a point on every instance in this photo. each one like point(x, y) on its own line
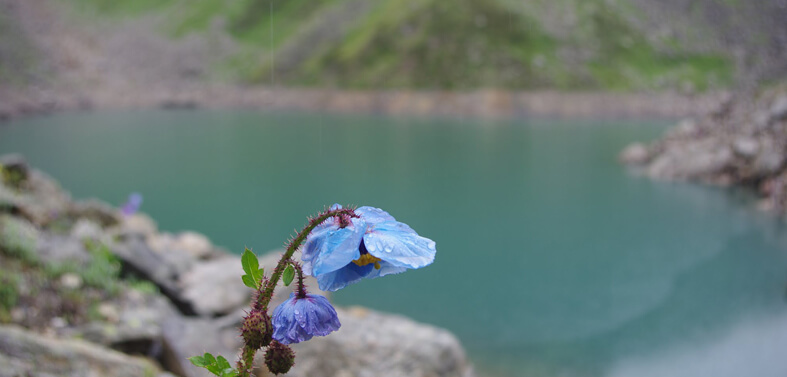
point(139, 224)
point(635, 154)
point(62, 249)
point(95, 210)
point(696, 159)
point(214, 287)
point(745, 146)
point(135, 254)
point(373, 344)
point(778, 110)
point(769, 159)
point(87, 229)
point(185, 337)
point(196, 245)
point(132, 323)
point(24, 353)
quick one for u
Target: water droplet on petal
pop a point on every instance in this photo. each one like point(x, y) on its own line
point(371, 247)
point(388, 249)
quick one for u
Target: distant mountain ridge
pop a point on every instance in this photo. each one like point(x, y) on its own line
point(689, 45)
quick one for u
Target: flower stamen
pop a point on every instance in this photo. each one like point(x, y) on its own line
point(368, 259)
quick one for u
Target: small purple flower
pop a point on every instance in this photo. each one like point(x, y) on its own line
point(372, 245)
point(299, 319)
point(132, 204)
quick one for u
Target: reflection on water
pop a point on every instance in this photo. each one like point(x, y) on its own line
point(752, 347)
point(552, 259)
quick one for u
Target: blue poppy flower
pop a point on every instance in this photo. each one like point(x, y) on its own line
point(372, 245)
point(299, 319)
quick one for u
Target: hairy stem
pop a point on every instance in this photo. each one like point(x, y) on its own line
point(245, 362)
point(344, 213)
point(265, 294)
point(300, 288)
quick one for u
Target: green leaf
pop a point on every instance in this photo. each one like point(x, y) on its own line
point(216, 365)
point(252, 268)
point(249, 282)
point(229, 373)
point(214, 369)
point(211, 364)
point(288, 275)
point(198, 361)
point(222, 363)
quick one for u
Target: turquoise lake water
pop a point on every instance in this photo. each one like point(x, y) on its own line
point(552, 259)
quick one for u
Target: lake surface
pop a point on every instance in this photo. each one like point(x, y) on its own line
point(552, 259)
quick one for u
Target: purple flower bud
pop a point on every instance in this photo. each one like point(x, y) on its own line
point(132, 204)
point(279, 358)
point(257, 329)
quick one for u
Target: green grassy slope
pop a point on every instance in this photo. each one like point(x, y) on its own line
point(438, 44)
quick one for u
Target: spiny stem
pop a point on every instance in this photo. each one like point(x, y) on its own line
point(344, 215)
point(245, 362)
point(300, 288)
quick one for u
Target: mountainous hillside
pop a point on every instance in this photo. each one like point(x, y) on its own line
point(465, 44)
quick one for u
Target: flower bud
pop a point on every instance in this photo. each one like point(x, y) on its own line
point(279, 358)
point(257, 330)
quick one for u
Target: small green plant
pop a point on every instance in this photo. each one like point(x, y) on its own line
point(12, 177)
point(18, 239)
point(216, 365)
point(9, 294)
point(103, 271)
point(143, 286)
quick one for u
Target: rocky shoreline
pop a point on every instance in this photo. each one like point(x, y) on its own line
point(89, 291)
point(476, 104)
point(742, 141)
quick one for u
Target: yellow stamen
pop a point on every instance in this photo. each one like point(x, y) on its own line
point(368, 259)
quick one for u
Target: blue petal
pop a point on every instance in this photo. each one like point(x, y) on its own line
point(307, 267)
point(340, 248)
point(386, 269)
point(373, 215)
point(398, 244)
point(317, 316)
point(329, 247)
point(349, 274)
point(318, 236)
point(297, 320)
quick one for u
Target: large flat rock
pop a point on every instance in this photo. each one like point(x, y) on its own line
point(24, 353)
point(373, 344)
